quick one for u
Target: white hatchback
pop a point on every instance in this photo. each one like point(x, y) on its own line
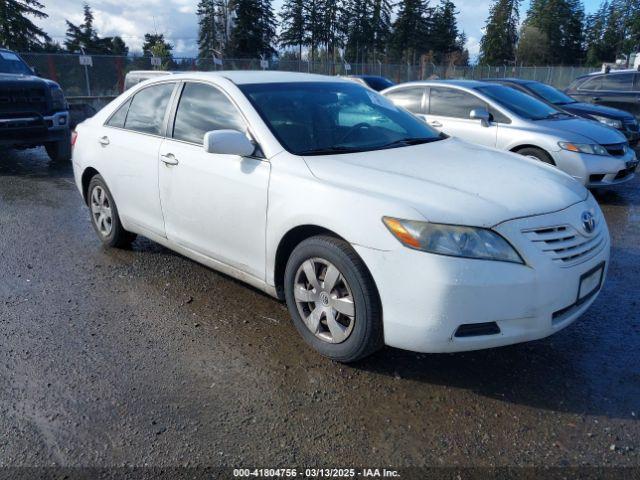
point(375, 228)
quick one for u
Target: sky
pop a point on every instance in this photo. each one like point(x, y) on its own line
point(131, 19)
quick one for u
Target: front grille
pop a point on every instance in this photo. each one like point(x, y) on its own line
point(23, 99)
point(617, 149)
point(565, 245)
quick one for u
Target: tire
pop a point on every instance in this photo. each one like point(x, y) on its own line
point(353, 291)
point(104, 215)
point(60, 151)
point(537, 154)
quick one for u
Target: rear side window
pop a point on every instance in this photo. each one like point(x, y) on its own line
point(618, 83)
point(148, 108)
point(408, 98)
point(118, 118)
point(449, 102)
point(204, 108)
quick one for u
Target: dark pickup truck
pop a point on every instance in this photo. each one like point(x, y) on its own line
point(33, 110)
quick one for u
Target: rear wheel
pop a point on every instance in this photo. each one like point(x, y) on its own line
point(536, 154)
point(60, 151)
point(333, 300)
point(104, 215)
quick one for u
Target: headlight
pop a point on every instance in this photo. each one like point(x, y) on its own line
point(583, 148)
point(58, 102)
point(610, 122)
point(456, 241)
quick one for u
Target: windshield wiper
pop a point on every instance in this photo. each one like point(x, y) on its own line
point(556, 115)
point(330, 150)
point(403, 142)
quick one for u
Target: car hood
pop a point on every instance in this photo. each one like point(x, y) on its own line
point(591, 109)
point(11, 78)
point(451, 181)
point(589, 130)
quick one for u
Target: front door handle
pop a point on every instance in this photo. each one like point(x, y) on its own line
point(596, 99)
point(169, 159)
point(104, 141)
point(435, 123)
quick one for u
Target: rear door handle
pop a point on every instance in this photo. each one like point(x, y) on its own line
point(596, 99)
point(104, 141)
point(169, 159)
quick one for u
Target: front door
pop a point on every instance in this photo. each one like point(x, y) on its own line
point(214, 205)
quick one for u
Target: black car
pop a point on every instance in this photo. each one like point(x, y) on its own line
point(374, 82)
point(613, 117)
point(33, 110)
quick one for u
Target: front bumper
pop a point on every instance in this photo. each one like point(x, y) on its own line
point(597, 170)
point(33, 130)
point(426, 298)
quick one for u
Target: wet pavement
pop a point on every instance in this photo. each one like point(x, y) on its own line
point(143, 357)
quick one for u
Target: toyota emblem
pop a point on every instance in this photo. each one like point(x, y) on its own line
point(588, 222)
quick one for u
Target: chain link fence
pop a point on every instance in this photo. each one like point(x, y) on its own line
point(104, 77)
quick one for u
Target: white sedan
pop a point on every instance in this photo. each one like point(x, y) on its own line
point(373, 227)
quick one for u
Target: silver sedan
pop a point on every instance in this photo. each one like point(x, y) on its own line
point(498, 116)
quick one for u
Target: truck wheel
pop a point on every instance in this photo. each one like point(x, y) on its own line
point(60, 151)
point(104, 216)
point(333, 300)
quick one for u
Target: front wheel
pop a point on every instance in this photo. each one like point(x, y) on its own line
point(333, 300)
point(60, 151)
point(536, 154)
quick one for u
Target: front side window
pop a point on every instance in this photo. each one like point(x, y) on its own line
point(618, 83)
point(409, 98)
point(450, 102)
point(148, 107)
point(321, 118)
point(204, 108)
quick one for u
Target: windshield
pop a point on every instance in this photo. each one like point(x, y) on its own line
point(378, 83)
point(12, 63)
point(520, 103)
point(319, 118)
point(551, 94)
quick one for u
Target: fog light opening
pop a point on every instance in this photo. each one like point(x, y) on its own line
point(477, 329)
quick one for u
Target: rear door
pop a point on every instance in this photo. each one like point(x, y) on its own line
point(129, 144)
point(450, 110)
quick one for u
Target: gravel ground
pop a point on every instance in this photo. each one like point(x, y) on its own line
point(143, 357)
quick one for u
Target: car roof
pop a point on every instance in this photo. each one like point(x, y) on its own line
point(519, 81)
point(472, 84)
point(244, 77)
point(611, 72)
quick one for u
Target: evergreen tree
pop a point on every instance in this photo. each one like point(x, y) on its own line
point(412, 29)
point(445, 30)
point(254, 29)
point(293, 25)
point(83, 36)
point(17, 31)
point(207, 28)
point(561, 21)
point(155, 45)
point(498, 45)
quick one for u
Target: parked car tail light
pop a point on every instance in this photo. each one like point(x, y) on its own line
point(74, 138)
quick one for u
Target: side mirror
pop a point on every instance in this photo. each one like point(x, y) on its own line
point(228, 142)
point(35, 71)
point(481, 114)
